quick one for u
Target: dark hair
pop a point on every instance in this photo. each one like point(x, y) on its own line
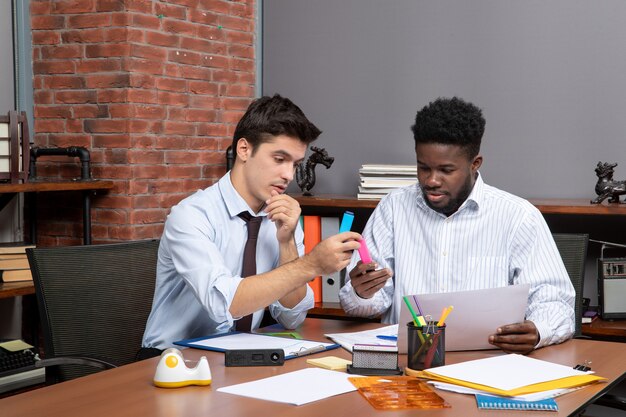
point(274, 116)
point(450, 121)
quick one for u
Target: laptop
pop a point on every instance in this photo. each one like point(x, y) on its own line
point(476, 315)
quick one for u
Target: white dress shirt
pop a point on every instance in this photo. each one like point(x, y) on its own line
point(494, 239)
point(200, 263)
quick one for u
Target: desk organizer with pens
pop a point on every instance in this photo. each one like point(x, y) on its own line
point(426, 346)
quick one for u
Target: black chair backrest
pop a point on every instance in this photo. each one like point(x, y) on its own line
point(94, 301)
point(573, 250)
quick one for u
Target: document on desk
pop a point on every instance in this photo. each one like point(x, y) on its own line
point(380, 336)
point(297, 388)
point(293, 348)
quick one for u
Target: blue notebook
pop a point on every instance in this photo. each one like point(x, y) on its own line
point(489, 402)
point(293, 348)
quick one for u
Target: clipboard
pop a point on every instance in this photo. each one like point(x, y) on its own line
point(293, 348)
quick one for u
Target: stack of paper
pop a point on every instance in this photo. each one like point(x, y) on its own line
point(377, 180)
point(510, 375)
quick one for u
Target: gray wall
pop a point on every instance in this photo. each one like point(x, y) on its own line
point(549, 76)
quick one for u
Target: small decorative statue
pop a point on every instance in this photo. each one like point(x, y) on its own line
point(606, 186)
point(305, 173)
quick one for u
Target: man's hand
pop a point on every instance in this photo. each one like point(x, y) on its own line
point(284, 211)
point(366, 280)
point(516, 338)
point(333, 254)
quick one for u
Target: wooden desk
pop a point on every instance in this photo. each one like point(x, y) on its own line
point(128, 391)
point(7, 191)
point(612, 330)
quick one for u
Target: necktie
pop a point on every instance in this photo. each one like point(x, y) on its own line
point(244, 324)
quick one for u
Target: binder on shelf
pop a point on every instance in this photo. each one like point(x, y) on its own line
point(331, 283)
point(14, 247)
point(16, 275)
point(293, 348)
point(313, 236)
point(492, 402)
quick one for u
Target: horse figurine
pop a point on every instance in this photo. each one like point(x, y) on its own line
point(606, 186)
point(305, 173)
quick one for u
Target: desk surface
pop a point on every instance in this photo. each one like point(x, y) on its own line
point(13, 289)
point(38, 186)
point(128, 390)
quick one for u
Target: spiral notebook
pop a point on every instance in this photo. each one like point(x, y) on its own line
point(489, 402)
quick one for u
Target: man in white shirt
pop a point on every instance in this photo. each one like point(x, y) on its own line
point(452, 232)
point(202, 287)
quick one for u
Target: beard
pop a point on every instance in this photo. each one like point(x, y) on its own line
point(454, 202)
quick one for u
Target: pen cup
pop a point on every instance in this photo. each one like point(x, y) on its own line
point(426, 346)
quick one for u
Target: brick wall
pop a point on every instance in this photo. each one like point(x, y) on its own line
point(152, 88)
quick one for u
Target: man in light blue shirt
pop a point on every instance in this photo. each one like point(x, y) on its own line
point(200, 290)
point(452, 232)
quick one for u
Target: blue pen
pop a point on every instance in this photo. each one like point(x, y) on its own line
point(346, 222)
point(386, 337)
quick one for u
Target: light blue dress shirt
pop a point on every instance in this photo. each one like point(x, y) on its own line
point(494, 239)
point(200, 263)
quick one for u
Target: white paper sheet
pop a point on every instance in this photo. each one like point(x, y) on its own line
point(299, 387)
point(366, 337)
point(476, 315)
point(506, 372)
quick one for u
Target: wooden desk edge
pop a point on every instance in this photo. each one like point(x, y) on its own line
point(14, 289)
point(36, 186)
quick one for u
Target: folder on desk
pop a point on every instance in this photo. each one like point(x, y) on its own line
point(293, 348)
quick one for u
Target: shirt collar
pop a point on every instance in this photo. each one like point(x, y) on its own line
point(473, 201)
point(234, 202)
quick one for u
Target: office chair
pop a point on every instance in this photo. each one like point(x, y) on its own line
point(94, 302)
point(573, 250)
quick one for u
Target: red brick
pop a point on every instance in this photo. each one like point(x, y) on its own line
point(83, 96)
point(172, 70)
point(111, 172)
point(98, 65)
point(173, 99)
point(182, 157)
point(242, 51)
point(74, 126)
point(170, 142)
point(149, 231)
point(142, 81)
point(47, 22)
point(149, 112)
point(139, 187)
point(145, 126)
point(213, 171)
point(121, 110)
point(239, 90)
point(136, 35)
point(147, 216)
point(145, 157)
point(245, 38)
point(171, 84)
point(146, 201)
point(54, 67)
point(236, 23)
point(200, 45)
point(211, 33)
point(63, 141)
point(245, 10)
point(201, 115)
point(116, 156)
point(112, 141)
point(105, 125)
point(110, 216)
point(142, 96)
point(182, 171)
point(53, 112)
point(144, 21)
point(215, 61)
point(211, 158)
point(231, 116)
point(148, 171)
point(213, 129)
point(144, 6)
point(203, 87)
point(148, 52)
point(196, 73)
point(49, 125)
point(43, 97)
point(89, 20)
point(202, 16)
point(72, 6)
point(91, 111)
point(142, 141)
point(106, 50)
point(109, 5)
point(40, 7)
point(224, 76)
point(242, 64)
point(47, 37)
point(115, 201)
point(235, 103)
point(215, 6)
point(162, 39)
point(83, 36)
point(176, 113)
point(135, 65)
point(115, 34)
point(107, 80)
point(118, 95)
point(184, 57)
point(170, 11)
point(177, 128)
point(179, 27)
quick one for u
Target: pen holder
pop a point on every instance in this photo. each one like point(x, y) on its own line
point(426, 346)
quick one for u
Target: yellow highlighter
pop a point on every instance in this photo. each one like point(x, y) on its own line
point(444, 315)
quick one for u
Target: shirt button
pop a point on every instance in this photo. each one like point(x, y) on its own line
point(445, 253)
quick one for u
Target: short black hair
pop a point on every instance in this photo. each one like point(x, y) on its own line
point(274, 116)
point(450, 121)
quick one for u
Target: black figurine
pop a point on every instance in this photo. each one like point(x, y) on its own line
point(305, 173)
point(606, 186)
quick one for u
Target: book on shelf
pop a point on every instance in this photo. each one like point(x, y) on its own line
point(16, 275)
point(14, 263)
point(312, 236)
point(363, 196)
point(14, 247)
point(376, 180)
point(589, 316)
point(388, 169)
